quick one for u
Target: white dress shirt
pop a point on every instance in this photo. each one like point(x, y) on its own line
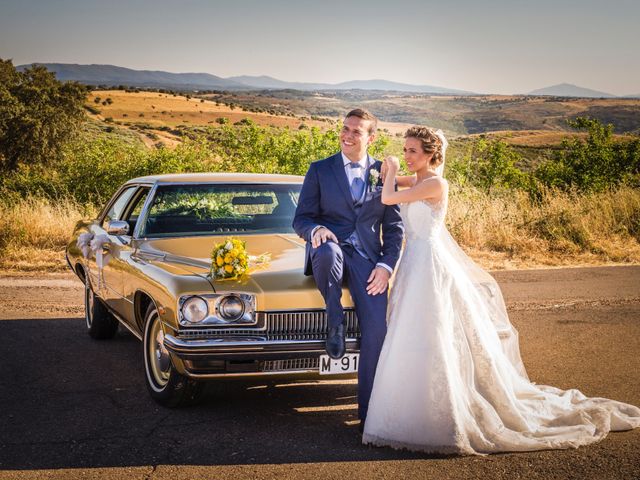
point(355, 172)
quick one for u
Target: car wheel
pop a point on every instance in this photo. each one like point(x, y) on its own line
point(101, 325)
point(166, 386)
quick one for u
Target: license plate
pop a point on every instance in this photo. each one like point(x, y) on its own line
point(346, 364)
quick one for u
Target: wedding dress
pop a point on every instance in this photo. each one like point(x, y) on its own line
point(450, 378)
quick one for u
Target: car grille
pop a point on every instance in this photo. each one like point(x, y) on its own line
point(291, 364)
point(302, 325)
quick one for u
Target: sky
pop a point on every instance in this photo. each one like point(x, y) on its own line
point(502, 46)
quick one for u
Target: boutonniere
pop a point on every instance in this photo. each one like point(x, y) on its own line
point(374, 177)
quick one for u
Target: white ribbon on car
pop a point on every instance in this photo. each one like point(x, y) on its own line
point(93, 245)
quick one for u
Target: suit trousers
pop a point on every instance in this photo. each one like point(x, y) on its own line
point(334, 264)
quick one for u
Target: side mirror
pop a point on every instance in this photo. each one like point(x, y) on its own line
point(117, 227)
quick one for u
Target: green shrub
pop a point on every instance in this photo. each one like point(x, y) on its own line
point(252, 148)
point(487, 165)
point(90, 172)
point(594, 164)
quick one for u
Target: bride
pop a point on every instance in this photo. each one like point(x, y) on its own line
point(450, 378)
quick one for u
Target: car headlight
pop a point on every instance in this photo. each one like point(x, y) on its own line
point(217, 309)
point(195, 309)
point(231, 308)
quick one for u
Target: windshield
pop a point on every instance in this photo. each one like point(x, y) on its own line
point(211, 209)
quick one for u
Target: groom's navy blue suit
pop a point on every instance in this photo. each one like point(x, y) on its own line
point(326, 200)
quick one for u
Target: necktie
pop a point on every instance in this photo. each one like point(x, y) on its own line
point(357, 184)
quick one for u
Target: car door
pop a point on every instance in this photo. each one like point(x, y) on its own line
point(126, 271)
point(100, 277)
point(120, 248)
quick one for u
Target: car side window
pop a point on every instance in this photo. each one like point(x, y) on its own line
point(117, 208)
point(137, 204)
point(135, 208)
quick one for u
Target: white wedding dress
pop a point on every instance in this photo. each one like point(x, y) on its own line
point(450, 378)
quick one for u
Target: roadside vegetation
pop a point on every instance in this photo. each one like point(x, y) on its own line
point(576, 203)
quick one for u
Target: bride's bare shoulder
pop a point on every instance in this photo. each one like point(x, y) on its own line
point(437, 182)
point(437, 188)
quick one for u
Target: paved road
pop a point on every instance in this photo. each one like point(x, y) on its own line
point(72, 407)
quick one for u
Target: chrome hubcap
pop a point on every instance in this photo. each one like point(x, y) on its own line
point(158, 354)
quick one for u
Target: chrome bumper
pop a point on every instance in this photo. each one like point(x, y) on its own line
point(250, 356)
point(250, 347)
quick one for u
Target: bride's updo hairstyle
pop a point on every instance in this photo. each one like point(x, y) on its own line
point(431, 143)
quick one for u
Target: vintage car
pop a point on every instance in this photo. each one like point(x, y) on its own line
point(146, 264)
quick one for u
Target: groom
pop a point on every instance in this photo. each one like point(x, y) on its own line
point(340, 215)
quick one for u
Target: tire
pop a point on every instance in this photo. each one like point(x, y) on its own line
point(101, 325)
point(166, 386)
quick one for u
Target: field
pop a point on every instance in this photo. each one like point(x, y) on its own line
point(158, 117)
point(535, 122)
point(155, 115)
point(454, 114)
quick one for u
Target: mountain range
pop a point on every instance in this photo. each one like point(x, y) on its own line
point(569, 90)
point(111, 75)
point(273, 83)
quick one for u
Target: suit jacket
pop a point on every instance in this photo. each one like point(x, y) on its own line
point(325, 199)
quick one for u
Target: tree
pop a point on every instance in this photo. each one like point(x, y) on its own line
point(38, 115)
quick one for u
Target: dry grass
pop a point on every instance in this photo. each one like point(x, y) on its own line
point(563, 229)
point(499, 233)
point(34, 232)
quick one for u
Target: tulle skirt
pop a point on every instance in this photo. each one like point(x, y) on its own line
point(450, 378)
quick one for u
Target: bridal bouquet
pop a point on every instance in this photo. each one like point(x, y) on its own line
point(230, 260)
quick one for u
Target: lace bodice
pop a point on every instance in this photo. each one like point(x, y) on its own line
point(423, 219)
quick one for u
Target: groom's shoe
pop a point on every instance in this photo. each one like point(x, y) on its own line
point(335, 342)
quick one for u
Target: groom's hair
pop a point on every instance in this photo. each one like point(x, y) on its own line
point(364, 115)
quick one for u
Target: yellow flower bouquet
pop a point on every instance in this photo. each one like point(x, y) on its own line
point(230, 260)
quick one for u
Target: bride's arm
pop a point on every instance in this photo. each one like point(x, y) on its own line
point(430, 189)
point(405, 181)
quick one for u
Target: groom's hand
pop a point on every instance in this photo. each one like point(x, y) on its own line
point(378, 281)
point(322, 235)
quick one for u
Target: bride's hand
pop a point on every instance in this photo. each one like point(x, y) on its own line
point(391, 166)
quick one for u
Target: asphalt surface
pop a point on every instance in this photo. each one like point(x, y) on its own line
point(72, 407)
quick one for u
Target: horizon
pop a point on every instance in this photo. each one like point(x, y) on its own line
point(503, 48)
point(288, 81)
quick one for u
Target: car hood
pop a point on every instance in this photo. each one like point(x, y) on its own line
point(279, 284)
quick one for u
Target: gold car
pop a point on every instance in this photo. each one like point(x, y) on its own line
point(145, 263)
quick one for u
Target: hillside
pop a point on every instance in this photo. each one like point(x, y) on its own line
point(160, 117)
point(456, 115)
point(528, 122)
